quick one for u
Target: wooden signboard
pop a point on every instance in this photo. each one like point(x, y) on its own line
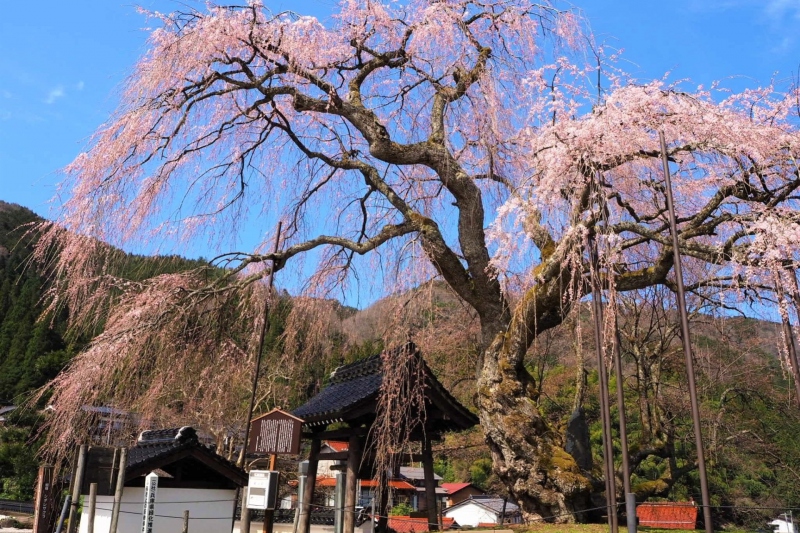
point(101, 462)
point(276, 432)
point(46, 504)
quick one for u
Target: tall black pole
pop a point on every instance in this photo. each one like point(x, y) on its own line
point(605, 410)
point(687, 344)
point(261, 336)
point(244, 522)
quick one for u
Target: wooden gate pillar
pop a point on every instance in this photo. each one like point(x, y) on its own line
point(304, 523)
point(351, 483)
point(430, 484)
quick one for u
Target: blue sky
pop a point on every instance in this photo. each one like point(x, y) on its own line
point(62, 61)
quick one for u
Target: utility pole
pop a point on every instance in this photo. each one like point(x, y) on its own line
point(244, 523)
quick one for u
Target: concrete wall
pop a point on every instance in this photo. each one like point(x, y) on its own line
point(210, 511)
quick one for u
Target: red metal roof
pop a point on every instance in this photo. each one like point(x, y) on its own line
point(452, 488)
point(337, 446)
point(393, 483)
point(406, 524)
point(667, 515)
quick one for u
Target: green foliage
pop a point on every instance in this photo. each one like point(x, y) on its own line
point(401, 509)
point(18, 464)
point(443, 467)
point(480, 471)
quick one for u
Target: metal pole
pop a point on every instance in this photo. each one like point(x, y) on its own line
point(76, 490)
point(338, 502)
point(186, 521)
point(123, 464)
point(687, 344)
point(630, 498)
point(608, 456)
point(64, 511)
point(269, 514)
point(92, 507)
point(302, 470)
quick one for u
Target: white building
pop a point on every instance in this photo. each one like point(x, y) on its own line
point(484, 510)
point(190, 477)
point(784, 524)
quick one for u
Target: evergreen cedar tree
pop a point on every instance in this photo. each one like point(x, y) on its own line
point(456, 140)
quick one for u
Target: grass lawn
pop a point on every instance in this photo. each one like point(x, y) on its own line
point(593, 528)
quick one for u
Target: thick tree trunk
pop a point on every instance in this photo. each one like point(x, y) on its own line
point(528, 455)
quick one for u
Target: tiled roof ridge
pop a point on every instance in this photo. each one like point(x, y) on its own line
point(166, 435)
point(369, 365)
point(364, 367)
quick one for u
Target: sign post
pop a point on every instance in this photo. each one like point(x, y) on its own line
point(45, 500)
point(148, 513)
point(276, 432)
point(270, 434)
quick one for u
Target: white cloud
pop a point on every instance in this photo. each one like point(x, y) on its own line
point(80, 85)
point(779, 10)
point(784, 46)
point(5, 94)
point(54, 94)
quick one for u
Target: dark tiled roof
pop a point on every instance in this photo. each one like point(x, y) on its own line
point(143, 453)
point(180, 434)
point(356, 385)
point(339, 396)
point(157, 448)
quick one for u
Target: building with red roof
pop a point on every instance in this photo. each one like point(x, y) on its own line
point(458, 492)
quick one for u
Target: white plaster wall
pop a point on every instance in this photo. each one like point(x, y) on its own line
point(210, 511)
point(470, 514)
point(784, 526)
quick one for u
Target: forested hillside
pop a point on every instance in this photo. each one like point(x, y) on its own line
point(33, 348)
point(31, 351)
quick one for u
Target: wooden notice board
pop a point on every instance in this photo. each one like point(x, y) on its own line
point(276, 432)
point(101, 466)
